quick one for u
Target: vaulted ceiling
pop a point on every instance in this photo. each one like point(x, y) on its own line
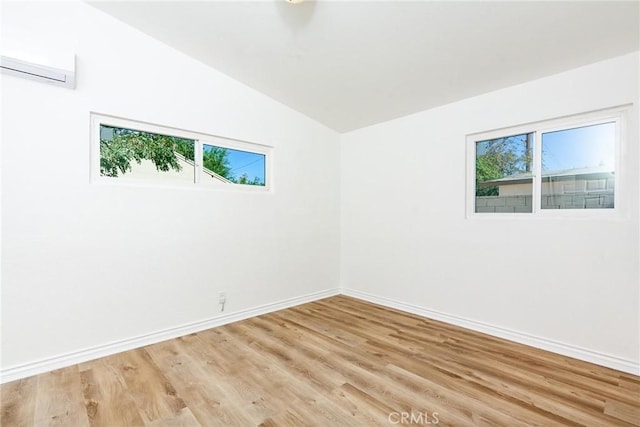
point(350, 64)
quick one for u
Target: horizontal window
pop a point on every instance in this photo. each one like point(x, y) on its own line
point(559, 165)
point(129, 151)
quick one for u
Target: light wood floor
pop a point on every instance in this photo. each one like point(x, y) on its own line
point(338, 361)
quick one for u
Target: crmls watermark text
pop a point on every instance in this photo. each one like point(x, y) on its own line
point(421, 418)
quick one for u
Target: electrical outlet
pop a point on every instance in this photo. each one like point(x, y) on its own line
point(222, 299)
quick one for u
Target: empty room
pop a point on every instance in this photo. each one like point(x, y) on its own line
point(317, 213)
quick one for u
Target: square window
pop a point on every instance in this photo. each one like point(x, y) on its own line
point(582, 158)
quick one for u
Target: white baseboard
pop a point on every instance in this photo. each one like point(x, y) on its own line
point(569, 350)
point(68, 359)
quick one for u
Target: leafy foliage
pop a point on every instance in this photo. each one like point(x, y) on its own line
point(183, 146)
point(119, 147)
point(244, 179)
point(216, 159)
point(501, 157)
point(125, 146)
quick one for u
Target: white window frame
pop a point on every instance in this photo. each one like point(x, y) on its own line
point(615, 114)
point(199, 139)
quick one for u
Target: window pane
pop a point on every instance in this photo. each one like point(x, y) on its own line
point(504, 174)
point(226, 165)
point(578, 169)
point(132, 154)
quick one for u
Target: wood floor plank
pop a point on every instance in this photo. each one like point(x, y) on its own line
point(287, 418)
point(153, 394)
point(631, 386)
point(623, 411)
point(18, 401)
point(211, 400)
point(454, 406)
point(560, 400)
point(400, 395)
point(184, 418)
point(104, 389)
point(371, 411)
point(497, 371)
point(337, 361)
point(594, 382)
point(59, 399)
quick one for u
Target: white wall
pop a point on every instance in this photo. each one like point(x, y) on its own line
point(84, 264)
point(573, 283)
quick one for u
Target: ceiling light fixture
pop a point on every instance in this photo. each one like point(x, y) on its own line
point(294, 1)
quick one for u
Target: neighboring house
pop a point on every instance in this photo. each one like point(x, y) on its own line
point(147, 170)
point(564, 189)
point(571, 181)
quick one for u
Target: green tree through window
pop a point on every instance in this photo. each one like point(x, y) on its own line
point(120, 147)
point(502, 157)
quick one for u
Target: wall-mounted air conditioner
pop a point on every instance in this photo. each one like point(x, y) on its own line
point(62, 73)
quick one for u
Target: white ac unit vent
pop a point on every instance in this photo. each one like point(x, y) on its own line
point(40, 72)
